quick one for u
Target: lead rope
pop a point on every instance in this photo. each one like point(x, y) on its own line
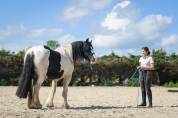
point(138, 93)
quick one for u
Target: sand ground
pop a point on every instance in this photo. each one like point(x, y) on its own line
point(92, 102)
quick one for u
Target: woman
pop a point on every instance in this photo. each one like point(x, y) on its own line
point(146, 69)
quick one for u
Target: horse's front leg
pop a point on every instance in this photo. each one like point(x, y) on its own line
point(66, 82)
point(49, 102)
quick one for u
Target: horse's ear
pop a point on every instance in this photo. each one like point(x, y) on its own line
point(91, 41)
point(87, 40)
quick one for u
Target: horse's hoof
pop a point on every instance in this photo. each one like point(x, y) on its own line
point(39, 106)
point(65, 106)
point(49, 105)
point(35, 106)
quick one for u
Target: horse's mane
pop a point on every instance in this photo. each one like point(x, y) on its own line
point(77, 50)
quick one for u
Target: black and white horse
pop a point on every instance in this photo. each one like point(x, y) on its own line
point(54, 65)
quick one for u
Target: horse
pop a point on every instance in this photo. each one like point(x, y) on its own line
point(44, 63)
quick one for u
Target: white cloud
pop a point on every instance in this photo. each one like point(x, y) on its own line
point(119, 18)
point(125, 51)
point(152, 26)
point(66, 39)
point(44, 31)
point(171, 40)
point(113, 22)
point(122, 4)
point(22, 31)
point(17, 37)
point(115, 40)
point(80, 8)
point(122, 52)
point(11, 30)
point(74, 13)
point(105, 41)
point(121, 29)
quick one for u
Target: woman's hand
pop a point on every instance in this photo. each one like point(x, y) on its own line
point(144, 67)
point(138, 67)
point(151, 67)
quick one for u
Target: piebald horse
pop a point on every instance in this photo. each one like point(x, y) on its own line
point(49, 64)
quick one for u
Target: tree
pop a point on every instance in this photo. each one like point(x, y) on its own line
point(159, 55)
point(53, 44)
point(4, 52)
point(174, 57)
point(21, 53)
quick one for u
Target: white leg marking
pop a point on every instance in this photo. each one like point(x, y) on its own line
point(66, 82)
point(49, 102)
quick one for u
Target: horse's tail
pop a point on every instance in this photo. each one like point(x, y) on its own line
point(25, 84)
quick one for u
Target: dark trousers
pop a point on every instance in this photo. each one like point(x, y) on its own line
point(145, 83)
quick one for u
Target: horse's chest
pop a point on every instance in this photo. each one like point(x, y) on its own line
point(54, 69)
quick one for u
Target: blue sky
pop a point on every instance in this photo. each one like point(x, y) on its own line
point(122, 26)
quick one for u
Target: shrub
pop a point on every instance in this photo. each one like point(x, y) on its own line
point(132, 82)
point(171, 84)
point(106, 82)
point(3, 82)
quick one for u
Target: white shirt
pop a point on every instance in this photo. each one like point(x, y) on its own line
point(146, 61)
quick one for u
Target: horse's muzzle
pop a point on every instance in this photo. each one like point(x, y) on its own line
point(92, 60)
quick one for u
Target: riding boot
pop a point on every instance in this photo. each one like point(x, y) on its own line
point(148, 87)
point(150, 100)
point(143, 99)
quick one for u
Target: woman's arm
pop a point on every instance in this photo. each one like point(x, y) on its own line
point(138, 67)
point(148, 67)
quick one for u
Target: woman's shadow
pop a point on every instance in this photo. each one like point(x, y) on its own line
point(109, 107)
point(116, 107)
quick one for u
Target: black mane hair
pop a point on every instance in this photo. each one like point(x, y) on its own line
point(77, 50)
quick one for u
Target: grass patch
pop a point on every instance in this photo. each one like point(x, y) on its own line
point(132, 82)
point(171, 84)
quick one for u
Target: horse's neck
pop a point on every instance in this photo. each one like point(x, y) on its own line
point(66, 50)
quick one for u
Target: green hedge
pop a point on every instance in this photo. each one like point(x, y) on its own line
point(132, 82)
point(109, 70)
point(171, 84)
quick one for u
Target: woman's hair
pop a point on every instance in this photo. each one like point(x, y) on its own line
point(146, 49)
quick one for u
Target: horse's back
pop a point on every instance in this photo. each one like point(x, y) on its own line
point(49, 62)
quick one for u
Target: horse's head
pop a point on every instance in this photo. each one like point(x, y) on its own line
point(88, 50)
point(83, 50)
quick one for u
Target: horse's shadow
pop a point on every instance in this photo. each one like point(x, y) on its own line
point(102, 107)
point(108, 107)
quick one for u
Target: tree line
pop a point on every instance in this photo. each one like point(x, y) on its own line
point(109, 70)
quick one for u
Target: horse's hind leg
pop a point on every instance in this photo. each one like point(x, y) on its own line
point(35, 102)
point(66, 82)
point(49, 102)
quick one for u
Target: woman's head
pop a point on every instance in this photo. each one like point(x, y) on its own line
point(145, 51)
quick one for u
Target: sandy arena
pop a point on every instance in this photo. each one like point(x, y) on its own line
point(92, 102)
